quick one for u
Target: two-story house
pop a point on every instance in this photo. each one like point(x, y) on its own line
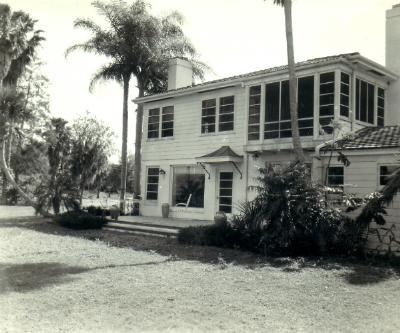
point(203, 144)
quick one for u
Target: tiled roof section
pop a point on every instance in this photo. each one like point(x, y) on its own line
point(224, 151)
point(314, 61)
point(372, 137)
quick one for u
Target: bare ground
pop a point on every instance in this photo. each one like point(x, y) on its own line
point(58, 280)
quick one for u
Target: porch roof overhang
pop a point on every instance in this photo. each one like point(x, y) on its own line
point(222, 155)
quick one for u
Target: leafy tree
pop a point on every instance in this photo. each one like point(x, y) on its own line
point(91, 146)
point(287, 5)
point(138, 44)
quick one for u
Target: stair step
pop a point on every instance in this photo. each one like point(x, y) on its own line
point(151, 225)
point(141, 229)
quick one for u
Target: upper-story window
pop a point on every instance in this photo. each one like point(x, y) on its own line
point(344, 94)
point(165, 126)
point(365, 101)
point(277, 108)
point(385, 171)
point(254, 113)
point(381, 107)
point(326, 100)
point(225, 119)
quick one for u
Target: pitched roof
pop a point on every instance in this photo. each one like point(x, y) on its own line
point(224, 151)
point(372, 138)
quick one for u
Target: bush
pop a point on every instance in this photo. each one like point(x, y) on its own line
point(289, 216)
point(97, 211)
point(80, 220)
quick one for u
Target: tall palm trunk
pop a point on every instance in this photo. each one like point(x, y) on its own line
point(298, 150)
point(124, 152)
point(138, 146)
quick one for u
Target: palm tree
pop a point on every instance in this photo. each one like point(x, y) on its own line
point(298, 150)
point(138, 44)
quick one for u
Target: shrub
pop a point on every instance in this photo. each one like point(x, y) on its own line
point(80, 220)
point(97, 211)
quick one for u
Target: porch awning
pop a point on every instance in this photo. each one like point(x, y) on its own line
point(223, 154)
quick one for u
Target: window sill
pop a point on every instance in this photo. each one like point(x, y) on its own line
point(168, 138)
point(175, 209)
point(151, 202)
point(217, 133)
point(359, 122)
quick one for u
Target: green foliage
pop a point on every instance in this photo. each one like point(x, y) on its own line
point(97, 211)
point(80, 220)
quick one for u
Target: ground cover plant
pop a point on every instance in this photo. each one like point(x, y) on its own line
point(289, 216)
point(80, 220)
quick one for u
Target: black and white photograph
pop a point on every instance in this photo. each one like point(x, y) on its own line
point(190, 166)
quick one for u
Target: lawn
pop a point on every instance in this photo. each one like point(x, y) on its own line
point(56, 280)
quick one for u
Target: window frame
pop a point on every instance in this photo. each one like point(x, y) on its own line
point(360, 101)
point(341, 93)
point(328, 117)
point(380, 176)
point(380, 108)
point(217, 115)
point(160, 130)
point(256, 134)
point(336, 176)
point(148, 183)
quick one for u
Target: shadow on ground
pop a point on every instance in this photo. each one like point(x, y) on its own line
point(32, 276)
point(353, 270)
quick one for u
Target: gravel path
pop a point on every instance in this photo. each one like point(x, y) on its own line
point(52, 281)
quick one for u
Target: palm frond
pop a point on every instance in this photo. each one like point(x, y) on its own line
point(112, 71)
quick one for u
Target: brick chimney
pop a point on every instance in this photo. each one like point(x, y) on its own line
point(393, 64)
point(180, 74)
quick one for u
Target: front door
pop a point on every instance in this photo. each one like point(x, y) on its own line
point(225, 191)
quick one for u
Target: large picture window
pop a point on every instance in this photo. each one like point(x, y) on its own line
point(277, 108)
point(188, 186)
point(152, 183)
point(365, 101)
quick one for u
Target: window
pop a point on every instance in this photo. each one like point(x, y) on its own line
point(277, 108)
point(336, 176)
point(385, 171)
point(167, 122)
point(226, 113)
point(365, 101)
point(344, 94)
point(326, 100)
point(381, 107)
point(153, 124)
point(225, 191)
point(254, 113)
point(152, 183)
point(188, 185)
point(208, 120)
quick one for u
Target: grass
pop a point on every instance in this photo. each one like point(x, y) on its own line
point(58, 280)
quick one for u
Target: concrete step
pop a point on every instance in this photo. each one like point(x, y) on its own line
point(141, 229)
point(143, 224)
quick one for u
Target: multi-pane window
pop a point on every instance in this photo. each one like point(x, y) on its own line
point(365, 101)
point(152, 183)
point(254, 113)
point(225, 191)
point(385, 171)
point(153, 123)
point(336, 176)
point(167, 122)
point(188, 186)
point(344, 94)
point(277, 108)
point(381, 107)
point(226, 113)
point(208, 118)
point(326, 100)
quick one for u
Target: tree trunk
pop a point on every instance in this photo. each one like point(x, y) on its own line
point(124, 152)
point(12, 181)
point(298, 150)
point(138, 146)
point(8, 148)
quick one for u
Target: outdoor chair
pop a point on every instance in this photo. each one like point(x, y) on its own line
point(183, 204)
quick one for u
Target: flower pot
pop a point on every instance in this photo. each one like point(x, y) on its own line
point(220, 218)
point(114, 213)
point(165, 210)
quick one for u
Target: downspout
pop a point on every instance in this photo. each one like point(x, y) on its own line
point(247, 178)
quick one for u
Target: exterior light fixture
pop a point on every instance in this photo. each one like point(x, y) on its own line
point(162, 172)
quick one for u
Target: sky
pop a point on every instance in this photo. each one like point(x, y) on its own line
point(231, 36)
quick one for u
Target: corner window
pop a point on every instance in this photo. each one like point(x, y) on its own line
point(326, 100)
point(152, 183)
point(381, 107)
point(344, 94)
point(336, 176)
point(188, 186)
point(365, 101)
point(253, 130)
point(385, 171)
point(226, 113)
point(163, 126)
